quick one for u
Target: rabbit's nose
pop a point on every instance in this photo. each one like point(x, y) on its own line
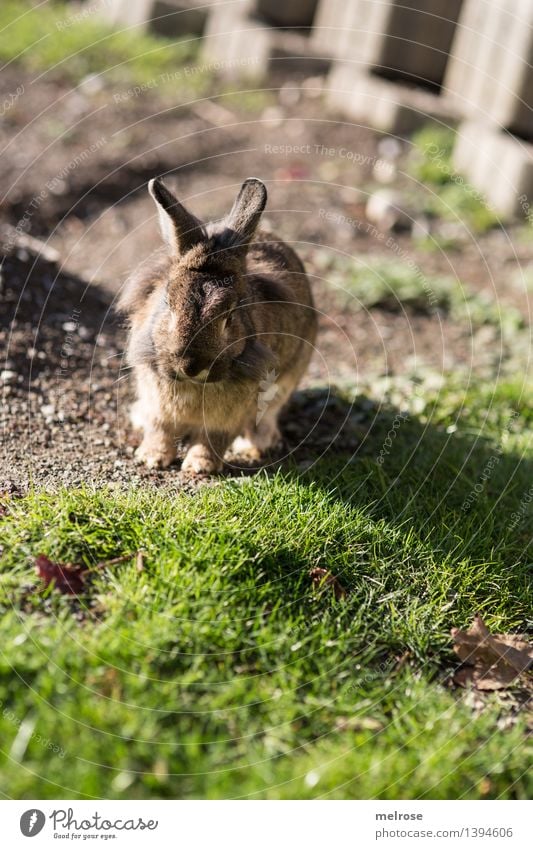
point(190, 368)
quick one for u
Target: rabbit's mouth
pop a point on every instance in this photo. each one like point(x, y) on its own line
point(204, 376)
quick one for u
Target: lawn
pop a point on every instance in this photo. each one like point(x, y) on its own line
point(70, 43)
point(221, 670)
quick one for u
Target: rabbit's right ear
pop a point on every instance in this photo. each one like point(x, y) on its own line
point(180, 229)
point(241, 223)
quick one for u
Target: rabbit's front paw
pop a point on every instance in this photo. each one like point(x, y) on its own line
point(255, 443)
point(244, 447)
point(155, 454)
point(200, 460)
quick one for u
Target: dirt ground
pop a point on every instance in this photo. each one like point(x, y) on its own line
point(74, 167)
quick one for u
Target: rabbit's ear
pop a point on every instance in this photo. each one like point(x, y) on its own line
point(180, 229)
point(241, 223)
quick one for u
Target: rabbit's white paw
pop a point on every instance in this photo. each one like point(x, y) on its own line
point(244, 447)
point(200, 460)
point(155, 455)
point(255, 443)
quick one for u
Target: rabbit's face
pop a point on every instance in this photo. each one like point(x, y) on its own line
point(202, 326)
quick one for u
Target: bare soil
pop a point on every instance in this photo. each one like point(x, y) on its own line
point(74, 166)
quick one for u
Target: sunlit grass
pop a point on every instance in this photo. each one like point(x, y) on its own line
point(68, 43)
point(221, 671)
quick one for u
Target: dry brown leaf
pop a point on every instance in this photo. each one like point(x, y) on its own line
point(492, 661)
point(67, 578)
point(493, 678)
point(70, 578)
point(323, 578)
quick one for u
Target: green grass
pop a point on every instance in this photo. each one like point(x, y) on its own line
point(449, 195)
point(63, 42)
point(219, 671)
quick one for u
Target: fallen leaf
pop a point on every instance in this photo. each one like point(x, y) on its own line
point(485, 679)
point(323, 578)
point(68, 578)
point(491, 661)
point(479, 643)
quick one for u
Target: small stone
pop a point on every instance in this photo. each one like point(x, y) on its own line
point(92, 84)
point(385, 209)
point(8, 376)
point(273, 116)
point(48, 411)
point(389, 148)
point(421, 228)
point(384, 171)
point(313, 86)
point(58, 187)
point(289, 95)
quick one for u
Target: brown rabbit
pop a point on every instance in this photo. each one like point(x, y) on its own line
point(222, 327)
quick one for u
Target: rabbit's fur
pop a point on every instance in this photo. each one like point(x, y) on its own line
point(222, 327)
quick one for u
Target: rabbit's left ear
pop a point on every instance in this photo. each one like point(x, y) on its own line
point(241, 223)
